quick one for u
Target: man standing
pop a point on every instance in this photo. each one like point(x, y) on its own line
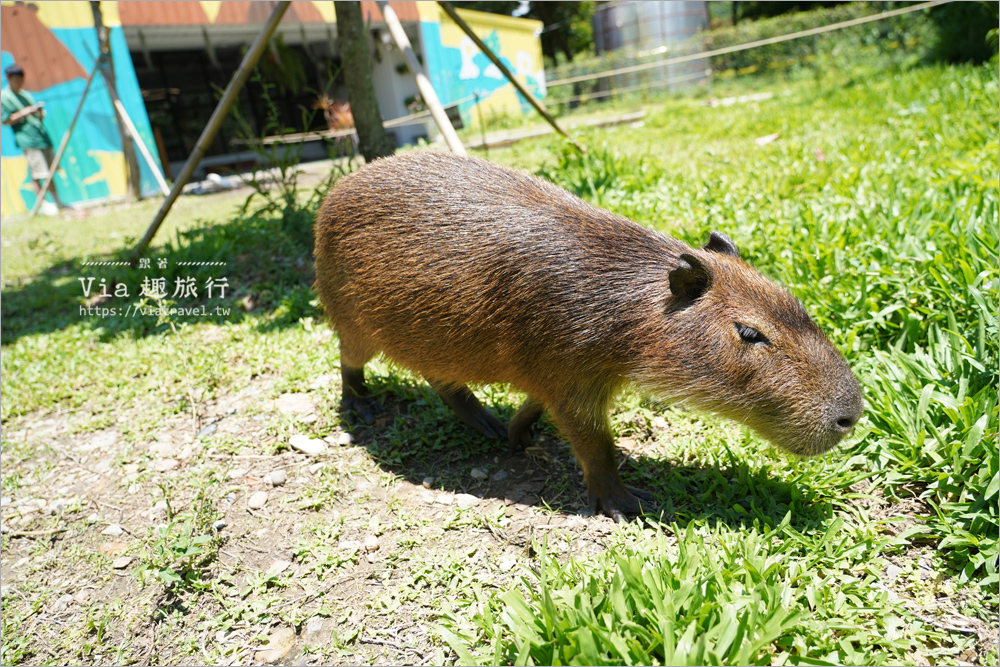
point(19, 110)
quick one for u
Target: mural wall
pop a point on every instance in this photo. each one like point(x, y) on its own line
point(459, 70)
point(56, 45)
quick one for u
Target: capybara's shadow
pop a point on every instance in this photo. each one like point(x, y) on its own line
point(416, 436)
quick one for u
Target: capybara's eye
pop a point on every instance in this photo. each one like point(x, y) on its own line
point(751, 335)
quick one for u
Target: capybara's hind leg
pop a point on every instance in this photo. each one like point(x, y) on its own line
point(355, 401)
point(519, 429)
point(469, 409)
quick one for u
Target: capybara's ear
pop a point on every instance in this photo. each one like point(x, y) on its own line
point(689, 281)
point(719, 242)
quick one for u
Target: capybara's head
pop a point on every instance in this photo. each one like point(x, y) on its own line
point(751, 352)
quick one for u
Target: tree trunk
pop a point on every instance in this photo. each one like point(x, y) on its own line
point(103, 38)
point(373, 142)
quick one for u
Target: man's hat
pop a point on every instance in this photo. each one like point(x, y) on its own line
point(14, 70)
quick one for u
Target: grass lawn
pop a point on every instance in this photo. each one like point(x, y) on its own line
point(136, 445)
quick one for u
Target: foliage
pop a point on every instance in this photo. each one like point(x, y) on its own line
point(963, 31)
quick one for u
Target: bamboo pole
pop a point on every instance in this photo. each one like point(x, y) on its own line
point(130, 126)
point(423, 83)
point(62, 144)
point(215, 122)
point(539, 107)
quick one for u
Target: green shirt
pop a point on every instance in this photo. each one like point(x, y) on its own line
point(30, 132)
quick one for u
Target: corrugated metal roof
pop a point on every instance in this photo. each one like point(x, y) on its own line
point(240, 12)
point(46, 60)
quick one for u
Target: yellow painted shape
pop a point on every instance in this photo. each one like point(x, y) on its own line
point(109, 12)
point(65, 14)
point(13, 172)
point(212, 9)
point(326, 10)
point(430, 12)
point(111, 170)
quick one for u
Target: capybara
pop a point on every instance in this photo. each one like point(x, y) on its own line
point(471, 273)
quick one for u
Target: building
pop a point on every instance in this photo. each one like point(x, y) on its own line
point(174, 58)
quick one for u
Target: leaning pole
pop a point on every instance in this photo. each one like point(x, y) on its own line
point(215, 122)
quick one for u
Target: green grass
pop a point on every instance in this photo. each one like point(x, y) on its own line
point(877, 206)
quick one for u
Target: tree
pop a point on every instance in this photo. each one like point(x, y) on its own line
point(128, 150)
point(373, 142)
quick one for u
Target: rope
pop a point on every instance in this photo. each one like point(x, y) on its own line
point(748, 45)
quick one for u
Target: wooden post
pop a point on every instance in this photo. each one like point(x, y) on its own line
point(108, 72)
point(142, 146)
point(539, 107)
point(62, 144)
point(215, 122)
point(423, 83)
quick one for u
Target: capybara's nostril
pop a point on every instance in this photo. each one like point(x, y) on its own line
point(846, 423)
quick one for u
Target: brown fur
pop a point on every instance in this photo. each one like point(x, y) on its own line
point(468, 272)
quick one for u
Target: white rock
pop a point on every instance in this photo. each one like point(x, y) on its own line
point(349, 545)
point(257, 500)
point(507, 563)
point(62, 603)
point(443, 499)
point(479, 474)
point(466, 500)
point(428, 482)
point(114, 530)
point(371, 543)
point(316, 467)
point(276, 477)
point(164, 465)
point(93, 518)
point(218, 525)
point(499, 475)
point(314, 625)
point(345, 438)
point(307, 445)
point(237, 473)
point(121, 562)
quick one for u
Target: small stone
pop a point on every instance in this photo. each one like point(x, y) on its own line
point(164, 465)
point(62, 603)
point(499, 475)
point(237, 473)
point(279, 644)
point(507, 563)
point(163, 448)
point(4, 502)
point(349, 545)
point(207, 430)
point(892, 571)
point(121, 562)
point(428, 482)
point(112, 548)
point(345, 438)
point(257, 500)
point(276, 477)
point(186, 453)
point(316, 467)
point(371, 543)
point(82, 595)
point(158, 510)
point(479, 474)
point(307, 445)
point(94, 517)
point(466, 500)
point(314, 625)
point(218, 525)
point(427, 497)
point(443, 499)
point(310, 419)
point(114, 530)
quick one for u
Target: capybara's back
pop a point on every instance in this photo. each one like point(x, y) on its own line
point(468, 272)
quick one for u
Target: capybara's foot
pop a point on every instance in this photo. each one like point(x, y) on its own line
point(359, 410)
point(470, 410)
point(519, 429)
point(623, 503)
